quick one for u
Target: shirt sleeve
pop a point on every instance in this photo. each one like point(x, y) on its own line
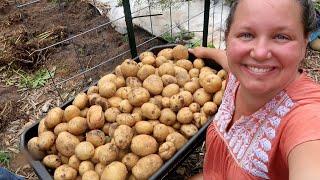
point(303, 125)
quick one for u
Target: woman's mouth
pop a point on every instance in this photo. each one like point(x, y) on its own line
point(256, 69)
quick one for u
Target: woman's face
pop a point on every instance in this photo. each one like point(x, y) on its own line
point(265, 44)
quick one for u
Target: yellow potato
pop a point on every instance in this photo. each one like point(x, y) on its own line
point(66, 143)
point(167, 150)
point(52, 161)
point(54, 117)
point(111, 114)
point(160, 60)
point(107, 89)
point(74, 162)
point(185, 115)
point(217, 97)
point(167, 53)
point(167, 117)
point(90, 175)
point(201, 96)
point(42, 127)
point(65, 172)
point(60, 128)
point(150, 111)
point(123, 136)
point(123, 92)
point(180, 52)
point(145, 71)
point(108, 153)
point(210, 108)
point(160, 132)
point(138, 96)
point(125, 119)
point(198, 63)
point(170, 90)
point(125, 106)
point(168, 79)
point(177, 139)
point(151, 60)
point(99, 168)
point(81, 100)
point(189, 130)
point(129, 68)
point(130, 160)
point(143, 127)
point(93, 90)
point(85, 166)
point(133, 82)
point(166, 68)
point(77, 125)
point(153, 84)
point(143, 145)
point(95, 117)
point(96, 137)
point(46, 140)
point(147, 166)
point(185, 64)
point(115, 171)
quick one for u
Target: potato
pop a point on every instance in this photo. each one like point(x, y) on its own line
point(122, 153)
point(81, 138)
point(95, 117)
point(117, 71)
point(222, 74)
point(176, 102)
point(130, 160)
point(187, 97)
point(54, 117)
point(150, 111)
point(66, 143)
point(123, 136)
point(123, 92)
point(120, 82)
point(137, 110)
point(170, 90)
point(74, 162)
point(210, 108)
point(167, 53)
point(129, 68)
point(83, 112)
point(154, 122)
point(52, 150)
point(198, 63)
point(70, 112)
point(125, 106)
point(156, 100)
point(147, 166)
point(177, 139)
point(211, 83)
point(176, 125)
point(136, 117)
point(138, 96)
point(223, 86)
point(201, 96)
point(108, 153)
point(217, 97)
point(107, 78)
point(143, 145)
point(42, 127)
point(107, 89)
point(90, 175)
point(167, 150)
point(99, 168)
point(160, 132)
point(33, 148)
point(52, 161)
point(167, 117)
point(77, 125)
point(207, 69)
point(182, 76)
point(168, 79)
point(84, 150)
point(125, 119)
point(185, 64)
point(46, 140)
point(171, 129)
point(112, 128)
point(185, 115)
point(199, 119)
point(165, 102)
point(133, 82)
point(96, 99)
point(145, 71)
point(115, 171)
point(115, 101)
point(93, 90)
point(194, 107)
point(166, 68)
point(153, 84)
point(160, 60)
point(81, 100)
point(111, 114)
point(151, 60)
point(194, 72)
point(188, 130)
point(96, 137)
point(145, 54)
point(65, 172)
point(191, 86)
point(64, 159)
point(180, 52)
point(143, 127)
point(85, 166)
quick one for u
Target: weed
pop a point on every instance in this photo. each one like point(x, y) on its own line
point(36, 80)
point(4, 158)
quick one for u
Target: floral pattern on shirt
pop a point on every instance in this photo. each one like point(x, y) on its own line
point(249, 139)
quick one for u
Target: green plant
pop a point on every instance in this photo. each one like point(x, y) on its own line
point(317, 5)
point(36, 80)
point(4, 158)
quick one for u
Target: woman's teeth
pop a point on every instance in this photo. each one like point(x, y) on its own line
point(259, 69)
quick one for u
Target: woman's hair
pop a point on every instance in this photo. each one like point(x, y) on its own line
point(308, 16)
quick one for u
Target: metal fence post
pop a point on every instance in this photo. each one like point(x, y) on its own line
point(128, 19)
point(206, 23)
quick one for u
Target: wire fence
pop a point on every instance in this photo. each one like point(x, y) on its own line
point(85, 75)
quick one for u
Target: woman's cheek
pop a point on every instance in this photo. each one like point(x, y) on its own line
point(237, 50)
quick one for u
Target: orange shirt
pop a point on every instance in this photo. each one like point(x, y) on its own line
point(257, 146)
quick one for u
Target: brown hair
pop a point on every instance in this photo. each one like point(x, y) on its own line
point(308, 16)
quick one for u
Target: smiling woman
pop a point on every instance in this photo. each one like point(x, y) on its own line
point(268, 123)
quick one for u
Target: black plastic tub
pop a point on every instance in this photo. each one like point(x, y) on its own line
point(170, 165)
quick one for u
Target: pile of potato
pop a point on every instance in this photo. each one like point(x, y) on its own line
point(132, 121)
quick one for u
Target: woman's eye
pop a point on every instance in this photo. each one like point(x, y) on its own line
point(281, 37)
point(246, 36)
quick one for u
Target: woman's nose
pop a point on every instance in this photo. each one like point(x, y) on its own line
point(261, 51)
